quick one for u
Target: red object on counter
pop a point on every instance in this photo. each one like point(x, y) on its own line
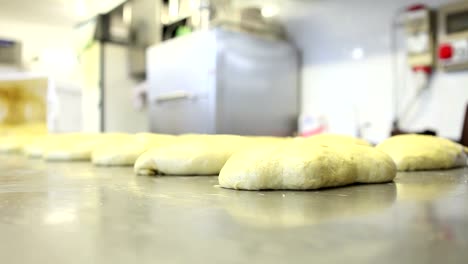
point(319, 130)
point(445, 51)
point(416, 7)
point(426, 69)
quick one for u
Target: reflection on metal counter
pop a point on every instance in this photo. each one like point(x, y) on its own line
point(293, 209)
point(110, 216)
point(231, 79)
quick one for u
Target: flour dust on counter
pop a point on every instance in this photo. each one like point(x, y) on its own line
point(423, 152)
point(304, 164)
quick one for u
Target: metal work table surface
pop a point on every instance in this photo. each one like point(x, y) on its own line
point(77, 213)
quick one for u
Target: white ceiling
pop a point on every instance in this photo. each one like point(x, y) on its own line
point(58, 12)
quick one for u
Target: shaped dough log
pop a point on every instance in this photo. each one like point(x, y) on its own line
point(196, 154)
point(78, 147)
point(15, 144)
point(422, 152)
point(125, 153)
point(38, 147)
point(302, 165)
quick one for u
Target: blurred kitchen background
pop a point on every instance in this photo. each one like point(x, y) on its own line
point(279, 67)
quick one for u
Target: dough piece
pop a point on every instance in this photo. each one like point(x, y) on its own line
point(191, 155)
point(80, 146)
point(37, 147)
point(15, 144)
point(336, 139)
point(422, 152)
point(302, 165)
point(28, 129)
point(125, 153)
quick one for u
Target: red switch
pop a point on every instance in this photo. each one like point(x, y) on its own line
point(426, 69)
point(416, 7)
point(445, 51)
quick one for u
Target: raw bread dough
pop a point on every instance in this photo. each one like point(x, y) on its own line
point(303, 165)
point(125, 153)
point(193, 155)
point(15, 144)
point(78, 147)
point(28, 129)
point(37, 147)
point(422, 152)
point(336, 139)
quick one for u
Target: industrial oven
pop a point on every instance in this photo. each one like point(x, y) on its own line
point(224, 81)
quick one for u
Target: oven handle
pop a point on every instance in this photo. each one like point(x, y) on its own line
point(174, 96)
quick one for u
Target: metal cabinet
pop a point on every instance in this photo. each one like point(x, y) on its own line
point(227, 82)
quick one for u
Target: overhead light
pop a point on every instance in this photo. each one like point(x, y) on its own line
point(60, 217)
point(269, 11)
point(174, 8)
point(127, 14)
point(81, 9)
point(357, 53)
point(195, 4)
point(58, 60)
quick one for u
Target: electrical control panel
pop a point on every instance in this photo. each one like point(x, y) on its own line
point(10, 53)
point(419, 36)
point(453, 36)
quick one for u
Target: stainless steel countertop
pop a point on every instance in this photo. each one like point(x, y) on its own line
point(77, 213)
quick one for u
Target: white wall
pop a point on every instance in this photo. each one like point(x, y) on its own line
point(35, 37)
point(46, 50)
point(120, 115)
point(76, 83)
point(335, 84)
